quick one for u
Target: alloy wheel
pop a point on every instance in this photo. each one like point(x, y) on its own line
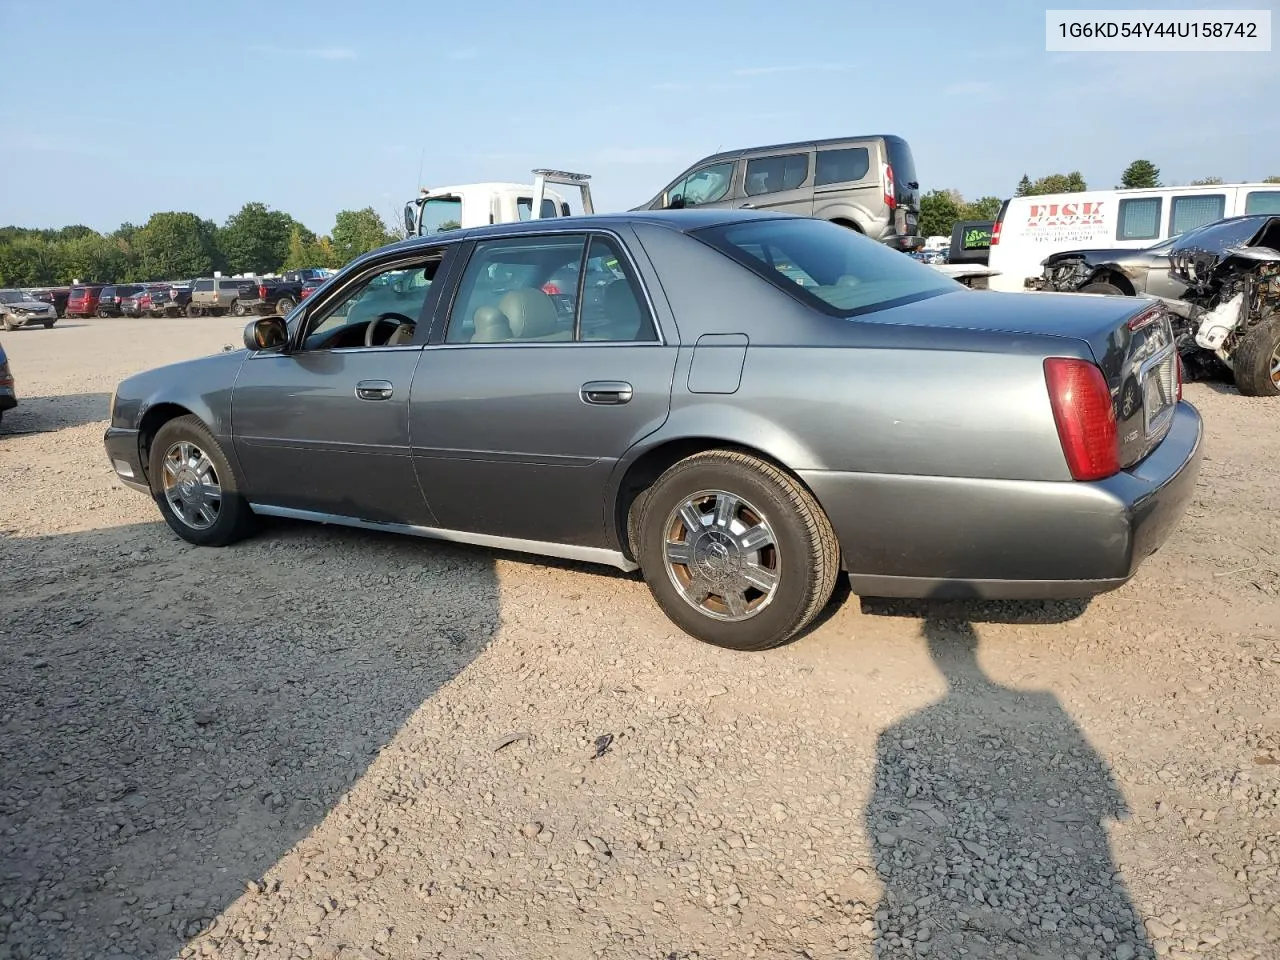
point(191, 485)
point(722, 556)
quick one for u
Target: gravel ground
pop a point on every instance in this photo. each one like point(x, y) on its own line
point(331, 744)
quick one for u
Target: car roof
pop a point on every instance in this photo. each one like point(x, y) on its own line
point(683, 221)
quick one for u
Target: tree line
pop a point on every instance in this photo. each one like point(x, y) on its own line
point(179, 245)
point(940, 210)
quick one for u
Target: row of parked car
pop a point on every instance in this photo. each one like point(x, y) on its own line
point(204, 296)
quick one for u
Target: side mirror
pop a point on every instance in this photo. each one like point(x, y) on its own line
point(410, 219)
point(265, 333)
point(676, 202)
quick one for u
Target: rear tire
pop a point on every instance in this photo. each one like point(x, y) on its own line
point(1110, 289)
point(237, 309)
point(284, 305)
point(193, 310)
point(194, 486)
point(1256, 363)
point(102, 314)
point(48, 324)
point(761, 541)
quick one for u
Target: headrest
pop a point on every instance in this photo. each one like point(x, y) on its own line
point(531, 313)
point(491, 325)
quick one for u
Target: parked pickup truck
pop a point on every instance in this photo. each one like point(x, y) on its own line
point(215, 296)
point(278, 296)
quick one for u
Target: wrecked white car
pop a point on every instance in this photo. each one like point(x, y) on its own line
point(1229, 314)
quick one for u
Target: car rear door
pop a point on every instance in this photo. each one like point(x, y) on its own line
point(523, 403)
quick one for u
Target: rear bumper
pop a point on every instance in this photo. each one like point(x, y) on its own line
point(910, 536)
point(125, 457)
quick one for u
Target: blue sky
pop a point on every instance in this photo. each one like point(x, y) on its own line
point(313, 107)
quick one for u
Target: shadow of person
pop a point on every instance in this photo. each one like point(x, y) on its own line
point(986, 819)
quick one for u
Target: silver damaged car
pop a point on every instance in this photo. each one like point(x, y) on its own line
point(740, 405)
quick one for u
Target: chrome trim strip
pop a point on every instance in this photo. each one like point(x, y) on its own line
point(1154, 426)
point(563, 551)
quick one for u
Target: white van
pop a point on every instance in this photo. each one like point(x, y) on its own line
point(1028, 229)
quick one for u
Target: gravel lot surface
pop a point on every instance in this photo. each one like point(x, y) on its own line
point(331, 744)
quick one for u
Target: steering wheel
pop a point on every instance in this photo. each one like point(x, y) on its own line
point(394, 318)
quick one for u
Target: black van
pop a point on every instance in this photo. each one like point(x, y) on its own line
point(865, 183)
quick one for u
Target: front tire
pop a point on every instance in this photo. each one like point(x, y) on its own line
point(48, 324)
point(194, 486)
point(1256, 363)
point(1110, 289)
point(736, 552)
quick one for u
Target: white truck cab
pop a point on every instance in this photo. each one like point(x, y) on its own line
point(440, 209)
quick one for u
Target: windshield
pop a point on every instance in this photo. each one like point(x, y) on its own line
point(827, 266)
point(10, 296)
point(440, 214)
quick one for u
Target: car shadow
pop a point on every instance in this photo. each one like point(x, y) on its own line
point(52, 413)
point(175, 719)
point(988, 825)
point(974, 610)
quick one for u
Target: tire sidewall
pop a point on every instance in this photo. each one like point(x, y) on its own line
point(1253, 362)
point(795, 554)
point(233, 512)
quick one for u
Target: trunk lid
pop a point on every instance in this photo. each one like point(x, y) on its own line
point(1131, 340)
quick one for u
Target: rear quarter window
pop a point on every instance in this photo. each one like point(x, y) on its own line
point(841, 166)
point(1196, 210)
point(1139, 218)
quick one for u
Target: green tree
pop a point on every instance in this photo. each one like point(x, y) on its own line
point(92, 257)
point(358, 231)
point(1140, 173)
point(176, 246)
point(1072, 182)
point(1206, 182)
point(1024, 187)
point(301, 249)
point(939, 210)
point(256, 240)
point(984, 208)
point(325, 255)
point(28, 261)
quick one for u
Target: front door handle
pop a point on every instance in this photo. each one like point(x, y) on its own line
point(374, 389)
point(746, 206)
point(606, 392)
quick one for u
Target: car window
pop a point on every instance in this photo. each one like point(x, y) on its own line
point(827, 266)
point(1262, 201)
point(707, 185)
point(1196, 210)
point(536, 290)
point(396, 295)
point(775, 174)
point(440, 214)
point(1139, 218)
point(841, 166)
point(524, 208)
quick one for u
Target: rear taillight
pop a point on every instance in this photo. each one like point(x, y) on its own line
point(995, 233)
point(6, 377)
point(1146, 317)
point(262, 291)
point(1085, 416)
point(890, 190)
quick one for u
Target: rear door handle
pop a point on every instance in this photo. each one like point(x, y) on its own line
point(374, 389)
point(606, 392)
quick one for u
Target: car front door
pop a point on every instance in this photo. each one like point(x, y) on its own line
point(321, 427)
point(782, 182)
point(710, 185)
point(549, 365)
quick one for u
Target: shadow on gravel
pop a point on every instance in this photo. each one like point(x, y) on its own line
point(174, 720)
point(987, 822)
point(47, 414)
point(977, 611)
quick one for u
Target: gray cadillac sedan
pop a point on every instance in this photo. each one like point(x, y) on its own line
point(738, 404)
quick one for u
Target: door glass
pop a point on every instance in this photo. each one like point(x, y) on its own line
point(393, 299)
point(775, 174)
point(708, 185)
point(1196, 210)
point(518, 289)
point(612, 306)
point(440, 214)
point(1139, 218)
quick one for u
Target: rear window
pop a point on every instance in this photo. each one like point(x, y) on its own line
point(900, 158)
point(202, 285)
point(826, 266)
point(841, 166)
point(1190, 212)
point(524, 207)
point(1262, 201)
